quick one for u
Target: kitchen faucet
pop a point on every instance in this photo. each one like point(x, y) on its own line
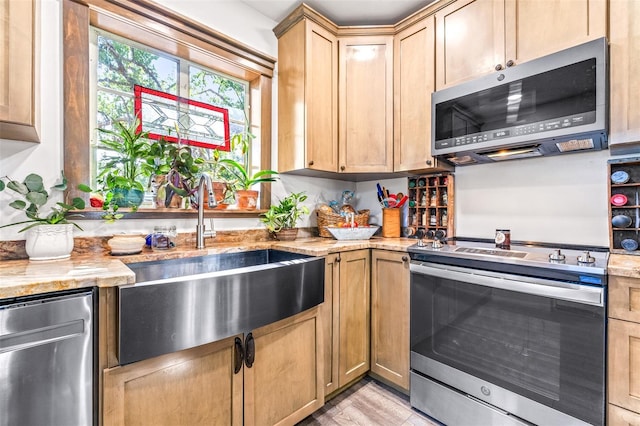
point(201, 233)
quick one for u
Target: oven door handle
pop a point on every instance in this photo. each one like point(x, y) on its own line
point(535, 286)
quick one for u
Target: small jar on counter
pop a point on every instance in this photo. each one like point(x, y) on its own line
point(163, 237)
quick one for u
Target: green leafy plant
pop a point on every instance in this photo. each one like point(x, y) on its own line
point(33, 197)
point(242, 180)
point(286, 213)
point(122, 169)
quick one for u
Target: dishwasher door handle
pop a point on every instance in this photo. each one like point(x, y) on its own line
point(41, 336)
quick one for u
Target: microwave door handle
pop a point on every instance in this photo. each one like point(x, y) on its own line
point(535, 286)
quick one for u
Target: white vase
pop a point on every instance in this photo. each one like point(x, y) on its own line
point(50, 242)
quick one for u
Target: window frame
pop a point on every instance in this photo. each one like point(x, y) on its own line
point(162, 29)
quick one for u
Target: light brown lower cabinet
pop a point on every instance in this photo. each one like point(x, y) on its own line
point(624, 364)
point(390, 317)
point(199, 386)
point(617, 416)
point(345, 318)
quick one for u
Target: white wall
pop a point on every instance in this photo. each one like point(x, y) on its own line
point(559, 199)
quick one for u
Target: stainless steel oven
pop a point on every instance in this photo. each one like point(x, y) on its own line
point(508, 336)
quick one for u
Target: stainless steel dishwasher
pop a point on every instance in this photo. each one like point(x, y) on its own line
point(47, 360)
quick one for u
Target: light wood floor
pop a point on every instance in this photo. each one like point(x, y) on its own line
point(368, 403)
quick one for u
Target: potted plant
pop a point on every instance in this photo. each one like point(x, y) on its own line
point(281, 218)
point(242, 182)
point(49, 235)
point(122, 171)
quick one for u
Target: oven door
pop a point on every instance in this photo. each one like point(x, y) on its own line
point(532, 339)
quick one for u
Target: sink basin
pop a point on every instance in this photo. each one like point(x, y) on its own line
point(182, 303)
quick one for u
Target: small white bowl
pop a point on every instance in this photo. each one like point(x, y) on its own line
point(359, 233)
point(126, 244)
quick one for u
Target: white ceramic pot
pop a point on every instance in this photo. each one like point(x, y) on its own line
point(50, 242)
point(126, 244)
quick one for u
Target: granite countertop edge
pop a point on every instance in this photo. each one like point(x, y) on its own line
point(26, 278)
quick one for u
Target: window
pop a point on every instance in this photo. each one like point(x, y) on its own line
point(120, 65)
point(162, 33)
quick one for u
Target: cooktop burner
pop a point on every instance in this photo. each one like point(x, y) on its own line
point(571, 264)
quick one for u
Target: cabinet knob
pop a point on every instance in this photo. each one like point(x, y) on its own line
point(338, 259)
point(342, 168)
point(429, 162)
point(405, 258)
point(510, 63)
point(498, 67)
point(311, 163)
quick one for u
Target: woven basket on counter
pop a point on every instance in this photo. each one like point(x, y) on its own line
point(334, 219)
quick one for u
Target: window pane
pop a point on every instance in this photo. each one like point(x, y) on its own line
point(120, 66)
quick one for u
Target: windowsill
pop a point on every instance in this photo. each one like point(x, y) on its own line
point(96, 214)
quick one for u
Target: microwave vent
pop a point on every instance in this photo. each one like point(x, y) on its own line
point(575, 145)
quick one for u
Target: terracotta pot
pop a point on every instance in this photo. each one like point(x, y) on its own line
point(247, 199)
point(49, 242)
point(286, 234)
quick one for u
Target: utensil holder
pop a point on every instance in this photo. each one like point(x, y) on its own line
point(391, 223)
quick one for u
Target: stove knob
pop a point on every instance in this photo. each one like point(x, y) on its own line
point(436, 244)
point(556, 256)
point(586, 258)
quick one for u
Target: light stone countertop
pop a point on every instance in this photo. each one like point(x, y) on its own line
point(624, 265)
point(24, 277)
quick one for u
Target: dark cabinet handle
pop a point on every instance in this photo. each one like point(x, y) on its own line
point(429, 162)
point(405, 258)
point(338, 259)
point(510, 63)
point(250, 350)
point(498, 67)
point(311, 163)
point(342, 168)
point(238, 356)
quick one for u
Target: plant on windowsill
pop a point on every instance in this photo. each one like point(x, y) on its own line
point(242, 182)
point(49, 236)
point(281, 219)
point(121, 171)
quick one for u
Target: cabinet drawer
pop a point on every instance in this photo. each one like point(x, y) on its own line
point(617, 416)
point(624, 298)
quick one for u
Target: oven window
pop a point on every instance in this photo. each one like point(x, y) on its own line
point(548, 350)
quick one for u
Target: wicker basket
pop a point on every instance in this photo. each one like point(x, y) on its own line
point(334, 219)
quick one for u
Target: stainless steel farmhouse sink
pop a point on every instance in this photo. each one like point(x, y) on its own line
point(181, 303)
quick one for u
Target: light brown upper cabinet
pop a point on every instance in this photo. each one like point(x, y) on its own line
point(365, 104)
point(307, 99)
point(18, 72)
point(414, 81)
point(476, 37)
point(624, 76)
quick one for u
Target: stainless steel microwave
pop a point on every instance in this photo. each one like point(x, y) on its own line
point(552, 105)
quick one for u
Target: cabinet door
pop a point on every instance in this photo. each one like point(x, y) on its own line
point(18, 82)
point(307, 99)
point(195, 386)
point(284, 384)
point(329, 319)
point(354, 315)
point(536, 28)
point(390, 316)
point(470, 40)
point(366, 104)
point(624, 364)
point(414, 81)
point(617, 416)
point(624, 45)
